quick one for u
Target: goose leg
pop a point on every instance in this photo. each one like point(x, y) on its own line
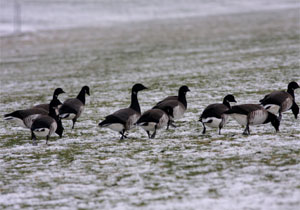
point(74, 121)
point(221, 124)
point(247, 130)
point(47, 138)
point(280, 116)
point(170, 123)
point(122, 135)
point(149, 136)
point(204, 128)
point(153, 135)
point(33, 138)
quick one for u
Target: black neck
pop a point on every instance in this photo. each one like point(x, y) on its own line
point(134, 102)
point(182, 98)
point(52, 112)
point(81, 96)
point(291, 92)
point(55, 95)
point(271, 117)
point(226, 103)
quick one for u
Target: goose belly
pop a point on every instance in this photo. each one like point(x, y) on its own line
point(240, 118)
point(132, 121)
point(46, 131)
point(258, 117)
point(16, 120)
point(68, 116)
point(212, 122)
point(287, 104)
point(163, 121)
point(41, 131)
point(178, 112)
point(272, 108)
point(115, 126)
point(29, 120)
point(150, 126)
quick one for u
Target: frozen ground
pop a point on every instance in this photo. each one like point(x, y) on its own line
point(247, 55)
point(39, 15)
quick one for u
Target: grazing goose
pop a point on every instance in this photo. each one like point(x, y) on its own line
point(178, 103)
point(72, 108)
point(252, 114)
point(124, 119)
point(154, 119)
point(57, 91)
point(46, 125)
point(281, 101)
point(213, 115)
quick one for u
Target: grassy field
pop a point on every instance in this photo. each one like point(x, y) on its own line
point(248, 55)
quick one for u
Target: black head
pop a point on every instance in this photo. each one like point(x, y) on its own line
point(183, 89)
point(86, 89)
point(58, 91)
point(138, 87)
point(274, 121)
point(293, 85)
point(169, 111)
point(60, 128)
point(229, 98)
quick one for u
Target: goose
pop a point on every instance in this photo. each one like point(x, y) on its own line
point(252, 114)
point(178, 103)
point(72, 108)
point(25, 117)
point(213, 115)
point(155, 119)
point(125, 119)
point(46, 125)
point(282, 101)
point(57, 92)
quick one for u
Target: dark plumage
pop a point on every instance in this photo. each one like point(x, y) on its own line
point(155, 119)
point(124, 119)
point(281, 101)
point(46, 125)
point(57, 92)
point(73, 108)
point(177, 103)
point(252, 114)
point(213, 115)
point(25, 117)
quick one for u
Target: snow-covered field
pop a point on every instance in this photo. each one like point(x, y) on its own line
point(39, 15)
point(247, 55)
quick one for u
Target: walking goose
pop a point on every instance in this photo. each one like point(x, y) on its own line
point(125, 119)
point(57, 92)
point(252, 114)
point(281, 101)
point(72, 108)
point(46, 125)
point(178, 103)
point(213, 115)
point(155, 119)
